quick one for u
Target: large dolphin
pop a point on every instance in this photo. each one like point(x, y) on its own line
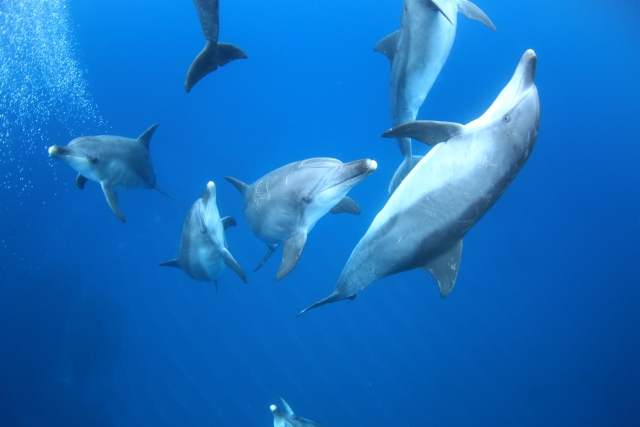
point(203, 248)
point(287, 418)
point(449, 190)
point(284, 205)
point(113, 161)
point(214, 54)
point(418, 52)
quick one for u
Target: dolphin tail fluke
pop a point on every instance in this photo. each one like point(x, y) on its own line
point(348, 205)
point(266, 257)
point(161, 191)
point(175, 263)
point(112, 199)
point(472, 11)
point(387, 46)
point(213, 55)
point(81, 180)
point(291, 251)
point(241, 186)
point(445, 268)
point(331, 298)
point(426, 131)
point(233, 264)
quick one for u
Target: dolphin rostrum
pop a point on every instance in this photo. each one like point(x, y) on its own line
point(284, 205)
point(449, 190)
point(113, 161)
point(214, 54)
point(287, 418)
point(418, 51)
point(203, 248)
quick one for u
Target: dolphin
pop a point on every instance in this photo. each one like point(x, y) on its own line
point(203, 248)
point(449, 190)
point(284, 205)
point(113, 161)
point(418, 52)
point(287, 418)
point(214, 54)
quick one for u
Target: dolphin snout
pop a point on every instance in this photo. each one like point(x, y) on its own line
point(273, 408)
point(56, 151)
point(372, 165)
point(528, 64)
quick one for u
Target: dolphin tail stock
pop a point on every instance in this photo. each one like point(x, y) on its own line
point(328, 300)
point(112, 200)
point(241, 186)
point(472, 11)
point(426, 131)
point(270, 250)
point(291, 251)
point(388, 44)
point(403, 170)
point(445, 268)
point(233, 264)
point(213, 55)
point(348, 205)
point(161, 191)
point(175, 263)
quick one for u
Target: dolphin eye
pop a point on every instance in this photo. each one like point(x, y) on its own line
point(94, 160)
point(506, 118)
point(306, 199)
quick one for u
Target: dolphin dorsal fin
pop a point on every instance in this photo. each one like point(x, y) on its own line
point(445, 268)
point(145, 138)
point(387, 46)
point(241, 186)
point(472, 11)
point(286, 406)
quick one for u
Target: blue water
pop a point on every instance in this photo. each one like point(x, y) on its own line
point(542, 327)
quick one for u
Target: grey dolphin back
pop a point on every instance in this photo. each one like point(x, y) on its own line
point(291, 251)
point(445, 268)
point(241, 186)
point(472, 11)
point(387, 46)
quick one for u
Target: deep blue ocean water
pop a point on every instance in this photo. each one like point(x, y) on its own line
point(542, 327)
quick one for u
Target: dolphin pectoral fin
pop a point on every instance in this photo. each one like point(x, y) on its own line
point(161, 191)
point(204, 64)
point(401, 173)
point(426, 131)
point(331, 298)
point(387, 45)
point(227, 52)
point(233, 264)
point(112, 199)
point(472, 11)
point(291, 250)
point(352, 297)
point(348, 205)
point(241, 186)
point(445, 268)
point(266, 257)
point(171, 263)
point(81, 181)
point(145, 138)
point(286, 406)
point(437, 3)
point(228, 221)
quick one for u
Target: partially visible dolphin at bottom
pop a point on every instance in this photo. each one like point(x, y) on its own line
point(287, 418)
point(449, 190)
point(203, 247)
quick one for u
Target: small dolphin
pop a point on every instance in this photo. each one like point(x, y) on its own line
point(214, 54)
point(284, 205)
point(287, 418)
point(203, 248)
point(418, 51)
point(449, 190)
point(113, 161)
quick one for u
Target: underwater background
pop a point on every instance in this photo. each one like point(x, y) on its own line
point(542, 327)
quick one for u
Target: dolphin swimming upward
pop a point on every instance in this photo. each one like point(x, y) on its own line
point(287, 418)
point(449, 190)
point(284, 205)
point(214, 54)
point(203, 248)
point(113, 161)
point(418, 52)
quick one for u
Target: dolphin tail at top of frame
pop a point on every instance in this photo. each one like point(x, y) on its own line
point(407, 165)
point(331, 298)
point(213, 55)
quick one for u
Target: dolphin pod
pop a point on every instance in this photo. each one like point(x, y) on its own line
point(113, 161)
point(448, 192)
point(285, 204)
point(417, 52)
point(203, 247)
point(286, 417)
point(214, 54)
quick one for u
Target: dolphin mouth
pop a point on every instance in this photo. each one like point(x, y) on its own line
point(61, 151)
point(527, 70)
point(362, 169)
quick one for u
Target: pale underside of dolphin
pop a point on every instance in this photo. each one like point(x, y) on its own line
point(286, 418)
point(417, 52)
point(203, 246)
point(115, 162)
point(214, 54)
point(283, 206)
point(448, 192)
